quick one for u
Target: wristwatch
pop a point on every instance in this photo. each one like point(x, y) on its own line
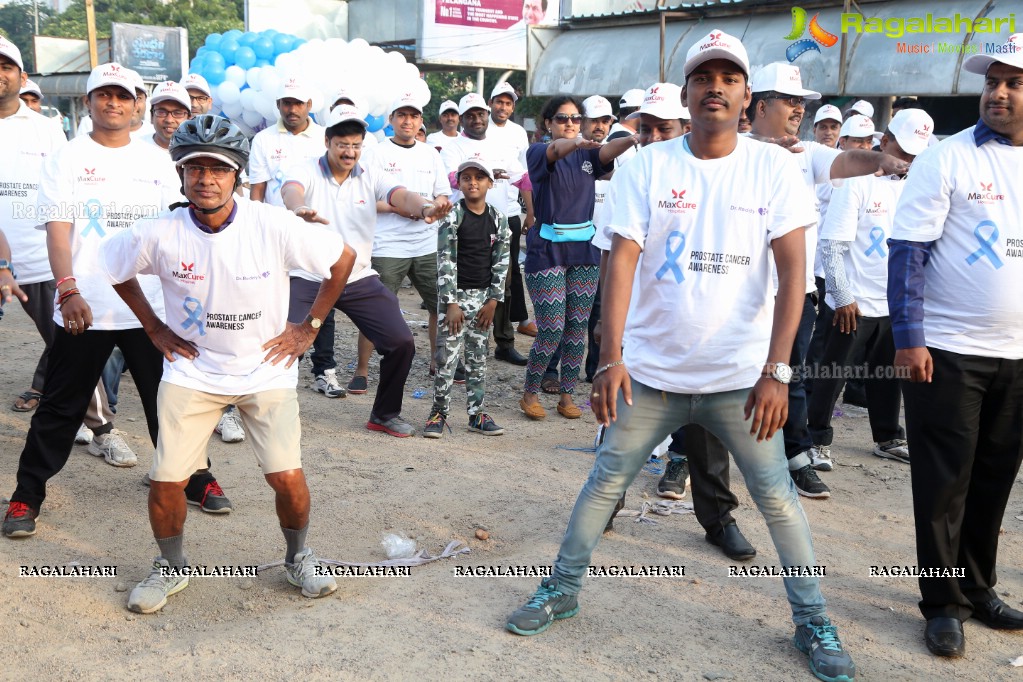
point(313, 322)
point(780, 372)
point(6, 265)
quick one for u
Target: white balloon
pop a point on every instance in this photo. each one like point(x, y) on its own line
point(357, 45)
point(395, 59)
point(235, 74)
point(248, 99)
point(252, 76)
point(410, 71)
point(270, 81)
point(228, 92)
point(233, 110)
point(421, 91)
point(267, 106)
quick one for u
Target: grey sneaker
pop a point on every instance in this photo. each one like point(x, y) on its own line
point(809, 484)
point(150, 595)
point(483, 423)
point(112, 448)
point(435, 426)
point(897, 449)
point(828, 660)
point(328, 385)
point(84, 435)
point(230, 427)
point(395, 426)
point(545, 606)
point(820, 458)
point(20, 520)
point(676, 475)
point(303, 574)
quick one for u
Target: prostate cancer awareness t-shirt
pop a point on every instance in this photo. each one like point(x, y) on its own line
point(103, 191)
point(862, 212)
point(966, 200)
point(702, 308)
point(28, 140)
point(275, 150)
point(225, 292)
point(496, 155)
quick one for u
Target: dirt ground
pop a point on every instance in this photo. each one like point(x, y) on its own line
point(520, 488)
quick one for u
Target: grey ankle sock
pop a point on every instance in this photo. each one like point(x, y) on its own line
point(295, 540)
point(172, 549)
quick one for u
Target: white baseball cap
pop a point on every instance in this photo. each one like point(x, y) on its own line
point(474, 163)
point(862, 106)
point(857, 125)
point(295, 88)
point(663, 100)
point(11, 51)
point(716, 45)
point(204, 154)
point(631, 99)
point(170, 91)
point(348, 94)
point(783, 78)
point(912, 129)
point(828, 112)
point(194, 81)
point(112, 73)
point(343, 113)
point(504, 88)
point(1010, 53)
point(473, 100)
point(447, 105)
point(407, 99)
point(596, 106)
point(32, 87)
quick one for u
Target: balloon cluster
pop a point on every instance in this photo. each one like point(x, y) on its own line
point(246, 71)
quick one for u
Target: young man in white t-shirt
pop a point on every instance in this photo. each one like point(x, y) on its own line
point(448, 114)
point(403, 245)
point(339, 191)
point(855, 257)
point(89, 190)
point(705, 341)
point(222, 265)
point(955, 268)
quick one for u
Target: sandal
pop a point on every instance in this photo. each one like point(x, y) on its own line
point(27, 401)
point(551, 385)
point(569, 411)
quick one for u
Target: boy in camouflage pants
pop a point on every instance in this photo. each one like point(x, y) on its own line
point(472, 263)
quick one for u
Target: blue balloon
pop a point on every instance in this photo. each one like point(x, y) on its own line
point(268, 33)
point(262, 62)
point(233, 33)
point(374, 123)
point(197, 66)
point(214, 59)
point(389, 130)
point(282, 43)
point(298, 41)
point(247, 39)
point(213, 39)
point(264, 48)
point(227, 48)
point(245, 57)
point(214, 75)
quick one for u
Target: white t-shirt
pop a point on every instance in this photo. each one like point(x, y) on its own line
point(417, 169)
point(862, 212)
point(104, 191)
point(496, 155)
point(226, 292)
point(700, 318)
point(823, 193)
point(28, 140)
point(514, 137)
point(439, 140)
point(274, 150)
point(85, 127)
point(628, 153)
point(815, 163)
point(966, 199)
point(350, 208)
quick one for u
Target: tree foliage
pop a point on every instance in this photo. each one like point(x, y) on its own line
point(17, 24)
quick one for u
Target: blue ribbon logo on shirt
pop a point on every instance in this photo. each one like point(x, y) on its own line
point(194, 315)
point(94, 211)
point(671, 256)
point(985, 245)
point(876, 242)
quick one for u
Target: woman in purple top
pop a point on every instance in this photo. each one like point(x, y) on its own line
point(562, 265)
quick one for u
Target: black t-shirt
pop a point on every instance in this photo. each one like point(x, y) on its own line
point(476, 237)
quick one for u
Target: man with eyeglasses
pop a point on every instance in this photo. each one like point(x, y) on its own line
point(199, 93)
point(776, 111)
point(91, 189)
point(170, 107)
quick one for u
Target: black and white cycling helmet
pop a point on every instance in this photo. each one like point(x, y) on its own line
point(210, 136)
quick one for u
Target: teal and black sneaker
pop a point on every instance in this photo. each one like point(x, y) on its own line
point(547, 605)
point(828, 659)
point(482, 423)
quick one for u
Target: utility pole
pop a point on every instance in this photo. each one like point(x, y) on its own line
point(90, 23)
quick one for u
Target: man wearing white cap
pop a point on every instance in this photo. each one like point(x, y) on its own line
point(826, 124)
point(403, 245)
point(32, 96)
point(91, 189)
point(295, 139)
point(862, 107)
point(345, 95)
point(955, 269)
point(170, 106)
point(339, 191)
point(199, 94)
point(855, 259)
point(504, 131)
point(448, 116)
point(776, 111)
point(699, 342)
point(857, 133)
point(629, 104)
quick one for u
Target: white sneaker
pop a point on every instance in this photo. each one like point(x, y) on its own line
point(820, 458)
point(303, 574)
point(328, 385)
point(84, 435)
point(230, 428)
point(151, 594)
point(112, 448)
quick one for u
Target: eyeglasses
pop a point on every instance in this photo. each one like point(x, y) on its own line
point(791, 100)
point(218, 172)
point(179, 114)
point(565, 118)
point(343, 146)
point(199, 98)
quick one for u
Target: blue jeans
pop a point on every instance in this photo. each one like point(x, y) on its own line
point(627, 445)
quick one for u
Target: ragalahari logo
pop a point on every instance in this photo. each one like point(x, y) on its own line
point(803, 45)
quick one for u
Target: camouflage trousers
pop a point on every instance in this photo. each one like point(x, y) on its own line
point(449, 348)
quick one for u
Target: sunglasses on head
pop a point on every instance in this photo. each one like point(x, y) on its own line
point(565, 118)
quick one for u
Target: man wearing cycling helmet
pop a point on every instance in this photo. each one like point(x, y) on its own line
point(223, 262)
